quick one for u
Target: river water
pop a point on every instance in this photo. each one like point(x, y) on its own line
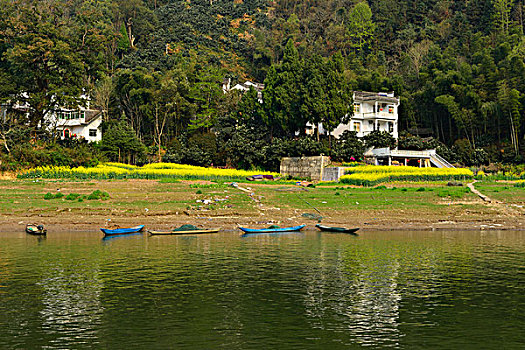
point(401, 290)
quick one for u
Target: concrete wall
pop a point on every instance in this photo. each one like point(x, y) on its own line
point(304, 167)
point(333, 174)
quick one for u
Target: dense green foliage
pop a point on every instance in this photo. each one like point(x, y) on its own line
point(156, 69)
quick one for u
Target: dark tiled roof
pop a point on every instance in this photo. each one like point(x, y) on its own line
point(91, 115)
point(366, 96)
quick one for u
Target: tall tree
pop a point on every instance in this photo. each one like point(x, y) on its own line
point(41, 58)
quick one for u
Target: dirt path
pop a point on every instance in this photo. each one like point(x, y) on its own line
point(478, 193)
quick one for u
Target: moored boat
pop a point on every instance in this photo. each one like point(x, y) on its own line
point(184, 230)
point(324, 228)
point(271, 229)
point(122, 230)
point(34, 229)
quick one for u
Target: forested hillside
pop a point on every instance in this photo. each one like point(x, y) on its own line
point(157, 67)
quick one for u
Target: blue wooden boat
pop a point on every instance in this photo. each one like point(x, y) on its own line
point(271, 229)
point(122, 230)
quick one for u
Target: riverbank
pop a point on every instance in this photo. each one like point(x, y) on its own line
point(164, 205)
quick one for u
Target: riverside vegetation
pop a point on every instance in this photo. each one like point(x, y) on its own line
point(155, 69)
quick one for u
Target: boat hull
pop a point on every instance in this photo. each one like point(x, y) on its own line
point(184, 232)
point(122, 231)
point(35, 231)
point(351, 231)
point(271, 230)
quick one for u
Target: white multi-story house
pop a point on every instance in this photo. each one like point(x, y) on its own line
point(372, 111)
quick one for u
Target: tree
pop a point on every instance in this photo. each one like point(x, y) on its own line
point(169, 100)
point(206, 94)
point(102, 95)
point(379, 139)
point(120, 143)
point(360, 26)
point(134, 89)
point(349, 146)
point(41, 59)
point(282, 95)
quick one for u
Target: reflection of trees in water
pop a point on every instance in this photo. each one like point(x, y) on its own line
point(71, 302)
point(355, 295)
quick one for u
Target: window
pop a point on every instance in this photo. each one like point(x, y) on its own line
point(357, 108)
point(357, 127)
point(390, 127)
point(66, 133)
point(92, 132)
point(390, 109)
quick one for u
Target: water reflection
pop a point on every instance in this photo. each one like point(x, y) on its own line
point(308, 291)
point(358, 294)
point(72, 310)
point(116, 237)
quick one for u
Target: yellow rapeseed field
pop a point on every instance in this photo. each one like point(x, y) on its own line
point(370, 175)
point(150, 171)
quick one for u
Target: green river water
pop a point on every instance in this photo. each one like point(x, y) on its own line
point(401, 290)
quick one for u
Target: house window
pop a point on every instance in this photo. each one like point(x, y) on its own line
point(357, 108)
point(390, 127)
point(66, 133)
point(357, 127)
point(92, 132)
point(390, 109)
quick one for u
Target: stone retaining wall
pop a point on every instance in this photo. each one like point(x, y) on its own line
point(304, 167)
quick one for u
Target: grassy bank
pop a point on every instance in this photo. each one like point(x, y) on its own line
point(163, 204)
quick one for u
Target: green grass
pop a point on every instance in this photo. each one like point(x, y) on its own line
point(502, 191)
point(368, 198)
point(133, 197)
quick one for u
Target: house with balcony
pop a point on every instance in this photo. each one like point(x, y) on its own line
point(81, 123)
point(372, 111)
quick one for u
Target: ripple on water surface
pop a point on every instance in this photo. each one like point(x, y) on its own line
point(299, 291)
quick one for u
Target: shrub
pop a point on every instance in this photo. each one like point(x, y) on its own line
point(97, 194)
point(72, 196)
point(49, 195)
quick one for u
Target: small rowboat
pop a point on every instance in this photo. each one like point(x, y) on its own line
point(122, 230)
point(271, 229)
point(184, 230)
point(351, 231)
point(36, 229)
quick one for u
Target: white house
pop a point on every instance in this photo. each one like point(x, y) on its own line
point(372, 111)
point(243, 87)
point(80, 123)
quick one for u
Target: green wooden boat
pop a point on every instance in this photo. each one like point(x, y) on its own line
point(184, 230)
point(324, 228)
